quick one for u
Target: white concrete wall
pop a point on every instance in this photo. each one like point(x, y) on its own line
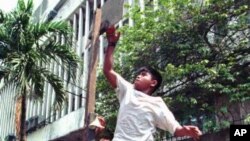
point(71, 122)
point(7, 111)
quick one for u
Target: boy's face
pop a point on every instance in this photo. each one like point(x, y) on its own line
point(144, 81)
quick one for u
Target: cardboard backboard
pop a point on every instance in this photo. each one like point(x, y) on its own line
point(112, 11)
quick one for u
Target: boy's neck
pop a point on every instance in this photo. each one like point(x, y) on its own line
point(147, 92)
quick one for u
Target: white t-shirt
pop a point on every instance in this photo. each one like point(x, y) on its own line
point(140, 114)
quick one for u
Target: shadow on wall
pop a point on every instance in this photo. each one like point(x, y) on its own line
point(10, 138)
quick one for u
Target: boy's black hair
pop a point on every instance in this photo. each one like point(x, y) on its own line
point(156, 75)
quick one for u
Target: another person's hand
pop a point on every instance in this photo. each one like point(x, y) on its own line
point(112, 35)
point(99, 129)
point(189, 130)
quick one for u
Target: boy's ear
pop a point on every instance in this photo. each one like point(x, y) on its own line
point(154, 83)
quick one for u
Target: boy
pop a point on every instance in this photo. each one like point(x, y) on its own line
point(139, 112)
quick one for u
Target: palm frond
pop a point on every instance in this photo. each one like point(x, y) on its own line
point(38, 82)
point(64, 54)
point(4, 50)
point(1, 16)
point(60, 27)
point(6, 86)
point(45, 29)
point(22, 7)
point(3, 72)
point(57, 85)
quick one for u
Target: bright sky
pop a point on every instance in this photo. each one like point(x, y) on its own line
point(8, 5)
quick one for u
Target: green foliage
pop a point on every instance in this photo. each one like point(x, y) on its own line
point(202, 50)
point(247, 119)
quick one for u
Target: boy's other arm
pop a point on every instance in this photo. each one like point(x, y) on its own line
point(108, 70)
point(188, 130)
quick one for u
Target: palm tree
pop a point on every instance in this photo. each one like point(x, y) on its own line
point(22, 51)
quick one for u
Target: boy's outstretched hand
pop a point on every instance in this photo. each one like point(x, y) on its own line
point(188, 130)
point(112, 35)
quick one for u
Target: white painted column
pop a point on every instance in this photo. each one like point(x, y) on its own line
point(79, 53)
point(49, 96)
point(58, 73)
point(7, 108)
point(95, 5)
point(156, 4)
point(14, 109)
point(102, 2)
point(31, 106)
point(101, 52)
point(70, 96)
point(86, 52)
point(74, 89)
point(53, 112)
point(35, 111)
point(63, 77)
point(39, 107)
point(1, 115)
point(74, 41)
point(130, 20)
point(44, 103)
point(3, 112)
point(142, 7)
point(71, 102)
point(39, 103)
point(8, 99)
point(27, 108)
point(156, 7)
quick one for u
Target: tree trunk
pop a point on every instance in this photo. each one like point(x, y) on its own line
point(20, 118)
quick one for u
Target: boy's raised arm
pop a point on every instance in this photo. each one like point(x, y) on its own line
point(108, 70)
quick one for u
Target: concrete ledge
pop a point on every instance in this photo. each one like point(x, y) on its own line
point(72, 122)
